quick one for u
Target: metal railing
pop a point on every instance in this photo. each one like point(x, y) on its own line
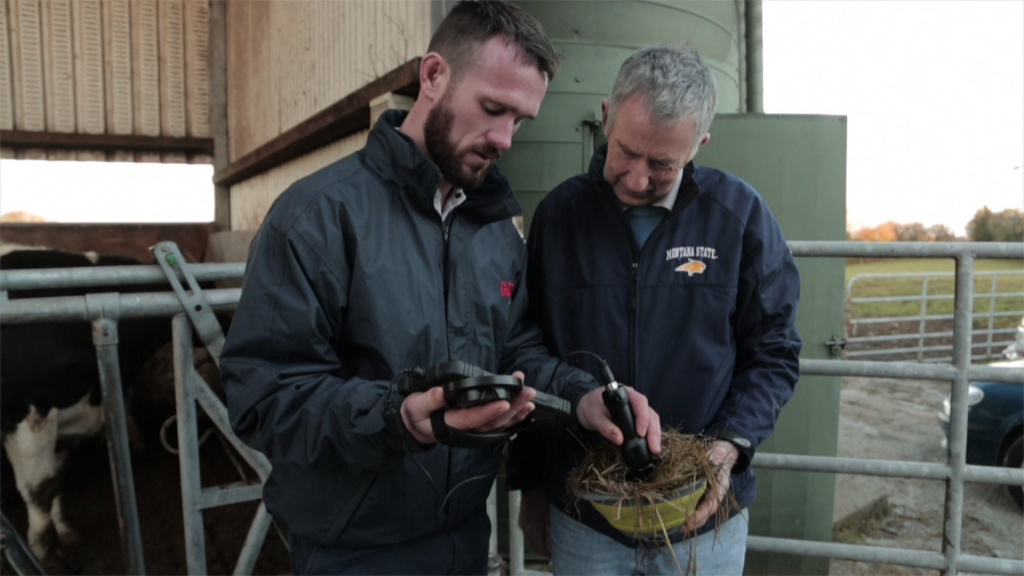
point(955, 472)
point(104, 311)
point(919, 343)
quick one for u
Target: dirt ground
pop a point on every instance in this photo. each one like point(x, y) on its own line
point(89, 498)
point(896, 419)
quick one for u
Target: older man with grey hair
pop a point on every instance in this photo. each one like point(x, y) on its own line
point(679, 277)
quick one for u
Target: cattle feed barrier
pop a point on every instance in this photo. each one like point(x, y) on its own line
point(16, 551)
point(955, 472)
point(103, 311)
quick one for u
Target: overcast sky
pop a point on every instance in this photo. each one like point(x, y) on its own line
point(933, 92)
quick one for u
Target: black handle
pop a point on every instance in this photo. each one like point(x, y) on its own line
point(635, 452)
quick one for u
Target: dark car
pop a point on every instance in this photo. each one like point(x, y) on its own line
point(995, 419)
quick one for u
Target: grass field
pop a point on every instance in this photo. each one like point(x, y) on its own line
point(1008, 288)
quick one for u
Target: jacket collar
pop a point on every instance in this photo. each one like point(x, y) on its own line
point(688, 188)
point(395, 157)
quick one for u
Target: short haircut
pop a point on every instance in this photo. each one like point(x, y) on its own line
point(473, 22)
point(674, 83)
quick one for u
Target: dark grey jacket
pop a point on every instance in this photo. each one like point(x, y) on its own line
point(350, 280)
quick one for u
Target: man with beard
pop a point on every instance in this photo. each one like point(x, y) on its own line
point(402, 255)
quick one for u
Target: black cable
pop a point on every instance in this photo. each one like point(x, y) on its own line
point(389, 405)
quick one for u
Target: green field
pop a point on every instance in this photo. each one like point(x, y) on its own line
point(1007, 288)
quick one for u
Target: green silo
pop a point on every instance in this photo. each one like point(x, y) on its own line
point(797, 163)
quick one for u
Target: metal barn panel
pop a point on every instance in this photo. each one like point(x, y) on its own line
point(251, 199)
point(6, 94)
point(314, 54)
point(146, 72)
point(58, 71)
point(171, 16)
point(117, 71)
point(90, 108)
point(95, 67)
point(197, 75)
point(117, 65)
point(27, 60)
point(59, 77)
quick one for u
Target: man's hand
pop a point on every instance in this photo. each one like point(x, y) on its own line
point(723, 454)
point(593, 415)
point(418, 406)
point(535, 520)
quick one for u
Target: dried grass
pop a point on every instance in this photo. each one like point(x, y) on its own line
point(684, 460)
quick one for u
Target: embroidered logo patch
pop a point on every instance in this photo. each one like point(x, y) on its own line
point(507, 288)
point(692, 267)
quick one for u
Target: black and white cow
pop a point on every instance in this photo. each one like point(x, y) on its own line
point(50, 389)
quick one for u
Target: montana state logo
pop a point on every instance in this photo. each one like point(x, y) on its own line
point(692, 267)
point(696, 258)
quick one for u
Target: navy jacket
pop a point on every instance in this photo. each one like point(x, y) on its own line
point(350, 280)
point(700, 320)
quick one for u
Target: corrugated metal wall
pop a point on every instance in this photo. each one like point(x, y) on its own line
point(136, 67)
point(288, 60)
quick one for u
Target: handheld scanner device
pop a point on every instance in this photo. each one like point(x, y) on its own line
point(466, 386)
point(641, 463)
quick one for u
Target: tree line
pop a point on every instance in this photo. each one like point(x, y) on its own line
point(986, 226)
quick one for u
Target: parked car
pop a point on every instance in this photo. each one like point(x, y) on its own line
point(995, 419)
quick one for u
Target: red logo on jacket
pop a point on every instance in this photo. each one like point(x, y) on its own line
point(507, 288)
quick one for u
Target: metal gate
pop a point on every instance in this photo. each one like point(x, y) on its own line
point(103, 311)
point(915, 340)
point(954, 472)
point(959, 372)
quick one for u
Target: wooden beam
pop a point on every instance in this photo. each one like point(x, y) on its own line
point(346, 116)
point(75, 141)
point(130, 239)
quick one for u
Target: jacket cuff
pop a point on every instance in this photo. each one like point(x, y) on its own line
point(743, 444)
point(397, 437)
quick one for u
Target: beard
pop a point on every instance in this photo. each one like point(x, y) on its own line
point(437, 137)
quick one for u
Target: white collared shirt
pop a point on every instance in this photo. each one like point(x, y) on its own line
point(456, 198)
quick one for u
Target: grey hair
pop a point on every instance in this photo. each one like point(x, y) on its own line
point(674, 83)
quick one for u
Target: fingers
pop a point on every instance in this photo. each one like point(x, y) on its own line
point(493, 415)
point(723, 454)
point(701, 515)
point(648, 423)
point(477, 417)
point(654, 432)
point(709, 503)
point(593, 415)
point(416, 410)
point(641, 413)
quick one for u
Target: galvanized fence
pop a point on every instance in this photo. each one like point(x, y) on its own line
point(104, 311)
point(108, 308)
point(955, 472)
point(921, 336)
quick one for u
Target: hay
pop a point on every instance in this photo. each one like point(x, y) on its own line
point(683, 461)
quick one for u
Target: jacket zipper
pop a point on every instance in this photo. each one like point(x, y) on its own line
point(446, 273)
point(633, 288)
point(634, 336)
